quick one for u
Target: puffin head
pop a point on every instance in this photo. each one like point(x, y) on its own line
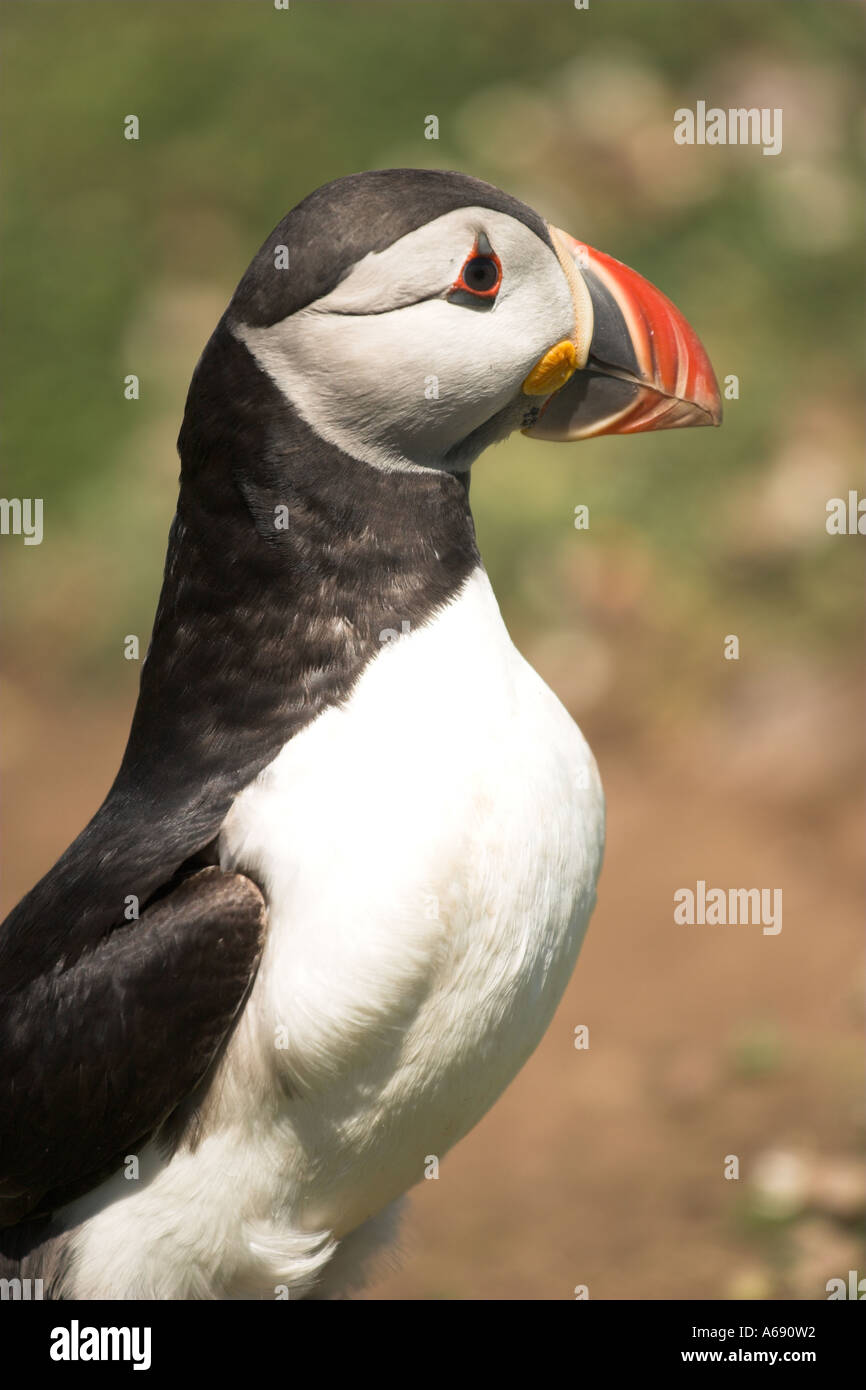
point(412, 317)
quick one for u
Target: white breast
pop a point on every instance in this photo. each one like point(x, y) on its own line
point(429, 853)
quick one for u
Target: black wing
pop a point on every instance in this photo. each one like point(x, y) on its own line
point(96, 1056)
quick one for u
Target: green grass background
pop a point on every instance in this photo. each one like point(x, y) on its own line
point(118, 257)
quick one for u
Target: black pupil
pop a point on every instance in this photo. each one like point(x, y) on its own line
point(481, 273)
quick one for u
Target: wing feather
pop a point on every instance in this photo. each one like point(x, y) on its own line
point(98, 1054)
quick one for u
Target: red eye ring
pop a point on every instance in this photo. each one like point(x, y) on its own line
point(481, 274)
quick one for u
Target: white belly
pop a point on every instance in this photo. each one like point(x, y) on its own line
point(429, 853)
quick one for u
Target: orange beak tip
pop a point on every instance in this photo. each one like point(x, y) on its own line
point(645, 367)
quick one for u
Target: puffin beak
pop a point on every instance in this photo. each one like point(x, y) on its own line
point(633, 364)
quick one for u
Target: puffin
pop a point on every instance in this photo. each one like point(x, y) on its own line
point(337, 888)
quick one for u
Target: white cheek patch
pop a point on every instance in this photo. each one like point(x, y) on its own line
point(390, 369)
point(414, 268)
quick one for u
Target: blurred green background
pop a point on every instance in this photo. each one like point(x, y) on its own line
point(119, 257)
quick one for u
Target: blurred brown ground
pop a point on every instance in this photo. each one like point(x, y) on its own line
point(605, 1167)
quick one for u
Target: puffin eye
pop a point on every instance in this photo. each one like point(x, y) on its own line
point(481, 276)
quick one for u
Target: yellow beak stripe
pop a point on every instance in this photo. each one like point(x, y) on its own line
point(552, 370)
